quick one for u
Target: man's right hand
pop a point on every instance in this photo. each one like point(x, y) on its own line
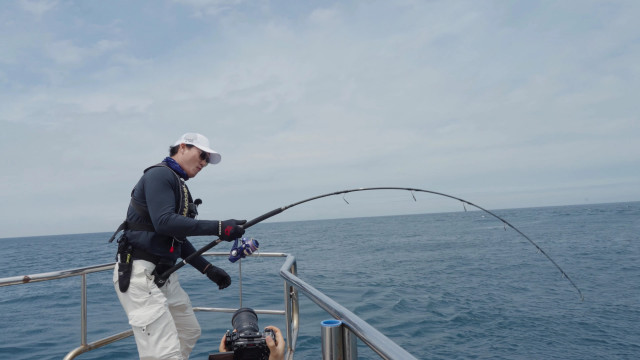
point(231, 229)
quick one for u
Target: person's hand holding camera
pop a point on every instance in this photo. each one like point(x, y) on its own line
point(276, 346)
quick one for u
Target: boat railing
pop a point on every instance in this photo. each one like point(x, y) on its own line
point(378, 342)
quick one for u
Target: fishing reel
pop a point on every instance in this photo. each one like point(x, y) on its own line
point(243, 249)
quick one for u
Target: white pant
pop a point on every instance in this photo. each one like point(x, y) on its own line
point(162, 319)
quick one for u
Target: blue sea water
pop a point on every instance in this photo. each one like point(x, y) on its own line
point(443, 286)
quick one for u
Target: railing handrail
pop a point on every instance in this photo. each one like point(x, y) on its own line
point(292, 319)
point(54, 275)
point(378, 342)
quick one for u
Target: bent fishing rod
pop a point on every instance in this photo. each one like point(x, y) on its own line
point(277, 211)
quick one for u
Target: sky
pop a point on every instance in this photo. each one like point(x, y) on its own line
point(507, 104)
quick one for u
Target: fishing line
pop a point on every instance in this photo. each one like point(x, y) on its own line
point(343, 193)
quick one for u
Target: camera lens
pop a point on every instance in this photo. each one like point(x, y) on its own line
point(245, 321)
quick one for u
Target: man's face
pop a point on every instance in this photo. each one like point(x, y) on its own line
point(193, 160)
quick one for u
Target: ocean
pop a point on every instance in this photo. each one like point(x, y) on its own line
point(455, 285)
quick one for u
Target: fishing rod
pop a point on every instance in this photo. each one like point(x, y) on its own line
point(277, 211)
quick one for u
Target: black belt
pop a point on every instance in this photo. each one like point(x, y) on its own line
point(139, 254)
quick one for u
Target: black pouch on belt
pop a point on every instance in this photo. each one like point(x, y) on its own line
point(125, 263)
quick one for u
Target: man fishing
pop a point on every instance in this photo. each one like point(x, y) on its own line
point(160, 216)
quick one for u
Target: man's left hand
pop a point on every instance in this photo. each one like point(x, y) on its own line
point(219, 277)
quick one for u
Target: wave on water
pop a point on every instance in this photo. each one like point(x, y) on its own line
point(443, 286)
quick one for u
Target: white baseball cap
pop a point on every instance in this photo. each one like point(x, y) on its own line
point(202, 143)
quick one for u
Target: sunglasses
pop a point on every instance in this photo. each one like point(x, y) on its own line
point(204, 156)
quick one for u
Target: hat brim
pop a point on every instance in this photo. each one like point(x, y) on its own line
point(214, 157)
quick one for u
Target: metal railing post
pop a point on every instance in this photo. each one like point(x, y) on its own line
point(338, 342)
point(350, 341)
point(240, 280)
point(332, 340)
point(83, 310)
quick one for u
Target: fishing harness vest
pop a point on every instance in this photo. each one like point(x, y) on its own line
point(186, 207)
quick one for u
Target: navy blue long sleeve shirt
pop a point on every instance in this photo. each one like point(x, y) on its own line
point(160, 190)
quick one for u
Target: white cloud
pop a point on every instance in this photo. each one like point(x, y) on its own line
point(514, 105)
point(325, 16)
point(38, 8)
point(67, 53)
point(209, 7)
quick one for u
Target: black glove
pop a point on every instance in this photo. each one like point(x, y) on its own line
point(218, 276)
point(231, 229)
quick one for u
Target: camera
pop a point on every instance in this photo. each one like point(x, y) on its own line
point(246, 341)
